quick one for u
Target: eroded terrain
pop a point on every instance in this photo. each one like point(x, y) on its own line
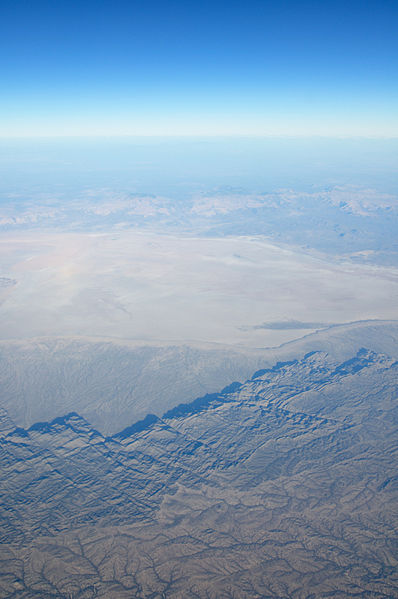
point(284, 486)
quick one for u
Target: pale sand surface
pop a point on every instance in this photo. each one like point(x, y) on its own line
point(158, 288)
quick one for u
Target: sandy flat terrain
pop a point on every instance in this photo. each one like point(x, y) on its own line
point(163, 288)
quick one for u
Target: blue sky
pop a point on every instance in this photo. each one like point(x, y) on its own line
point(198, 68)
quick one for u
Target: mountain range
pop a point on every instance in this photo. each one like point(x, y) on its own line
point(283, 486)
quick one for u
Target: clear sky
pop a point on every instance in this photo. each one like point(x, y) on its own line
point(111, 67)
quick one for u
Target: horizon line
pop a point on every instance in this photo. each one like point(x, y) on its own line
point(199, 136)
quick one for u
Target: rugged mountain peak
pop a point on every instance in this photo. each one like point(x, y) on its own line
point(71, 421)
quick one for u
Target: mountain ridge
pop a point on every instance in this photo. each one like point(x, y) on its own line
point(283, 486)
point(201, 403)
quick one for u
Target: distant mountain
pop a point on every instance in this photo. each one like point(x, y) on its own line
point(358, 222)
point(283, 486)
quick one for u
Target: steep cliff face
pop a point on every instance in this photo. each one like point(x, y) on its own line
point(283, 486)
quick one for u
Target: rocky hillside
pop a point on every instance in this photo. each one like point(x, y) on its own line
point(284, 486)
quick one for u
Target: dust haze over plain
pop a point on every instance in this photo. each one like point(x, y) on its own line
point(225, 241)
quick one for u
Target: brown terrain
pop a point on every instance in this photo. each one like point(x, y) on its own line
point(285, 486)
